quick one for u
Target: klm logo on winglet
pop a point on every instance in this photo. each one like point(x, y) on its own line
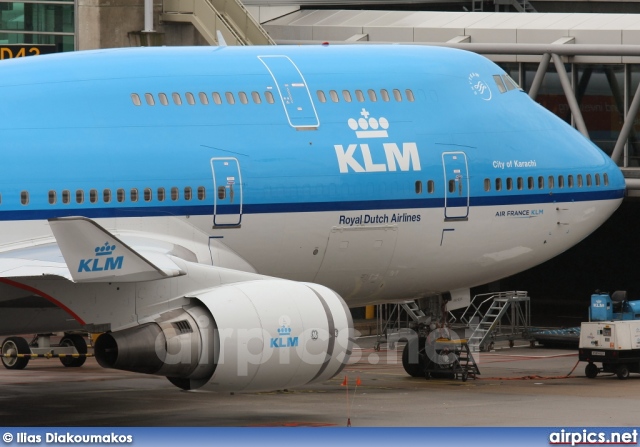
point(285, 340)
point(103, 260)
point(395, 158)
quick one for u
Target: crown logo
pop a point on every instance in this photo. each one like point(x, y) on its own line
point(366, 127)
point(284, 330)
point(105, 250)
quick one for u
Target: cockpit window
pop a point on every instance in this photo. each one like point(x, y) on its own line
point(499, 83)
point(509, 82)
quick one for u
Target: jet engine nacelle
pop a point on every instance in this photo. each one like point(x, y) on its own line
point(248, 336)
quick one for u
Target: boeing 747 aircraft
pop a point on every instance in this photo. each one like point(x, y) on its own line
point(215, 211)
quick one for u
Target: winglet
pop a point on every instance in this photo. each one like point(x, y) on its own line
point(93, 254)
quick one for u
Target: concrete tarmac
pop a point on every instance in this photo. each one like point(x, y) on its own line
point(518, 386)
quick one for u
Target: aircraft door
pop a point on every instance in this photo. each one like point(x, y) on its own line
point(456, 188)
point(227, 197)
point(293, 91)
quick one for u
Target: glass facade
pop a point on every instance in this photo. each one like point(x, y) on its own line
point(38, 22)
point(603, 92)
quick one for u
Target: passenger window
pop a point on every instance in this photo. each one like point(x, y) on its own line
point(334, 95)
point(385, 95)
point(397, 95)
point(588, 179)
point(541, 182)
point(269, 97)
point(120, 195)
point(133, 194)
point(499, 83)
point(163, 99)
point(79, 196)
point(243, 98)
point(321, 96)
point(204, 100)
point(410, 96)
point(431, 186)
point(202, 193)
point(222, 192)
point(217, 99)
point(106, 196)
point(487, 184)
point(230, 98)
point(560, 181)
point(509, 184)
point(149, 98)
point(551, 182)
point(418, 187)
point(256, 97)
point(530, 184)
point(520, 183)
point(359, 96)
point(148, 195)
point(605, 177)
point(498, 184)
point(597, 179)
point(66, 196)
point(177, 99)
point(346, 94)
point(191, 100)
point(52, 198)
point(175, 193)
point(187, 193)
point(136, 99)
point(93, 195)
point(161, 194)
point(570, 181)
point(579, 180)
point(452, 185)
point(372, 95)
point(24, 197)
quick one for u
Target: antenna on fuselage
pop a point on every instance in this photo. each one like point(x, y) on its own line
point(221, 41)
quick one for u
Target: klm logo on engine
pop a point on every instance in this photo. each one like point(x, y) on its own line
point(285, 340)
point(363, 157)
point(103, 260)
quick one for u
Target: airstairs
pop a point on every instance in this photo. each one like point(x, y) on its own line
point(230, 17)
point(497, 316)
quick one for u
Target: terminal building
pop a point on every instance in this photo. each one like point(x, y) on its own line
point(578, 58)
